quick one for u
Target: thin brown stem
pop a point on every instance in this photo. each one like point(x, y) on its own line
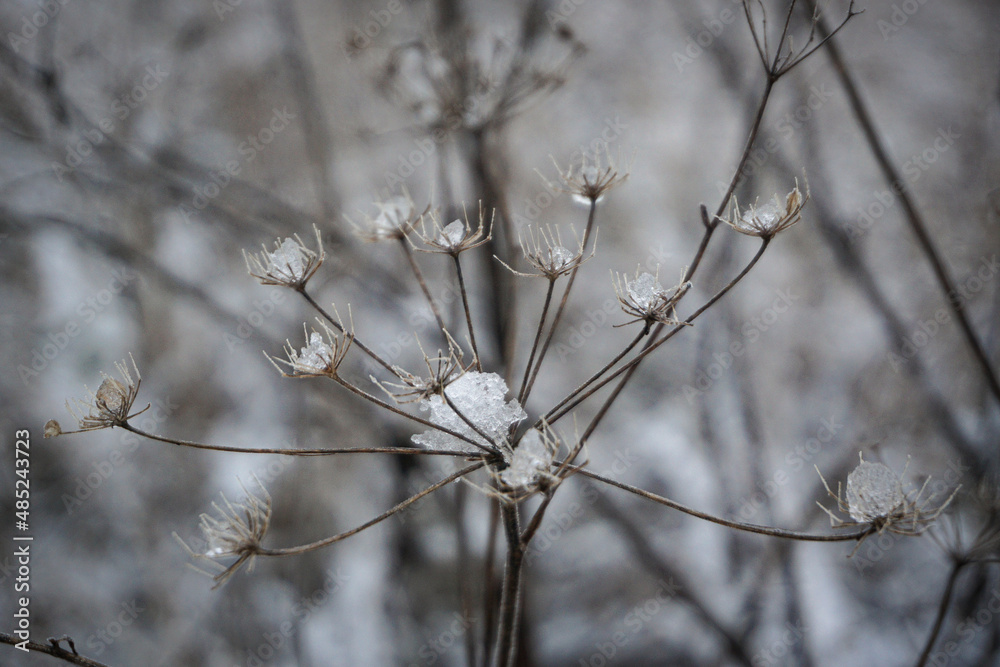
point(419, 275)
point(738, 525)
point(296, 452)
point(319, 544)
point(562, 304)
point(339, 327)
point(538, 337)
point(490, 587)
point(468, 312)
point(913, 215)
point(402, 413)
point(510, 597)
point(942, 611)
point(53, 649)
point(630, 367)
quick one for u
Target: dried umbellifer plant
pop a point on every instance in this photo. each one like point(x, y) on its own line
point(464, 410)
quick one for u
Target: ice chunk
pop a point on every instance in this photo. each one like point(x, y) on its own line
point(452, 234)
point(559, 258)
point(315, 357)
point(873, 491)
point(644, 290)
point(481, 398)
point(531, 458)
point(289, 259)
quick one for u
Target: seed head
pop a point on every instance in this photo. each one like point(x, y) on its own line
point(455, 237)
point(591, 176)
point(108, 407)
point(646, 300)
point(290, 264)
point(322, 355)
point(773, 217)
point(237, 532)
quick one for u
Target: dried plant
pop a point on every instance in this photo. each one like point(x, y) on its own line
point(500, 441)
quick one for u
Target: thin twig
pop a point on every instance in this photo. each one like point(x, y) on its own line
point(423, 285)
point(468, 312)
point(562, 304)
point(942, 611)
point(296, 452)
point(534, 344)
point(312, 546)
point(339, 327)
point(53, 649)
point(738, 525)
point(913, 216)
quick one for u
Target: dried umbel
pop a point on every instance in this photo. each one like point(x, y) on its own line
point(773, 217)
point(322, 355)
point(442, 370)
point(109, 406)
point(544, 251)
point(876, 498)
point(395, 219)
point(237, 532)
point(455, 237)
point(290, 264)
point(590, 177)
point(647, 301)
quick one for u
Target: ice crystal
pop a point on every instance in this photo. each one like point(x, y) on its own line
point(452, 234)
point(481, 398)
point(644, 290)
point(530, 460)
point(873, 491)
point(289, 259)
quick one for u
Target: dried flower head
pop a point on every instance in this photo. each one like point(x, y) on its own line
point(455, 237)
point(236, 532)
point(591, 176)
point(442, 370)
point(876, 498)
point(646, 300)
point(529, 467)
point(395, 218)
point(544, 250)
point(322, 355)
point(108, 407)
point(290, 264)
point(773, 217)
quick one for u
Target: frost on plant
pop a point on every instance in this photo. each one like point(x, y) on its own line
point(481, 400)
point(873, 491)
point(109, 406)
point(773, 217)
point(530, 462)
point(321, 355)
point(876, 498)
point(645, 299)
point(290, 264)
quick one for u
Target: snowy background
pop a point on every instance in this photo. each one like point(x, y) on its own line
point(121, 229)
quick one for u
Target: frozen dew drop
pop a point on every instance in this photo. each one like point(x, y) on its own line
point(559, 257)
point(452, 235)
